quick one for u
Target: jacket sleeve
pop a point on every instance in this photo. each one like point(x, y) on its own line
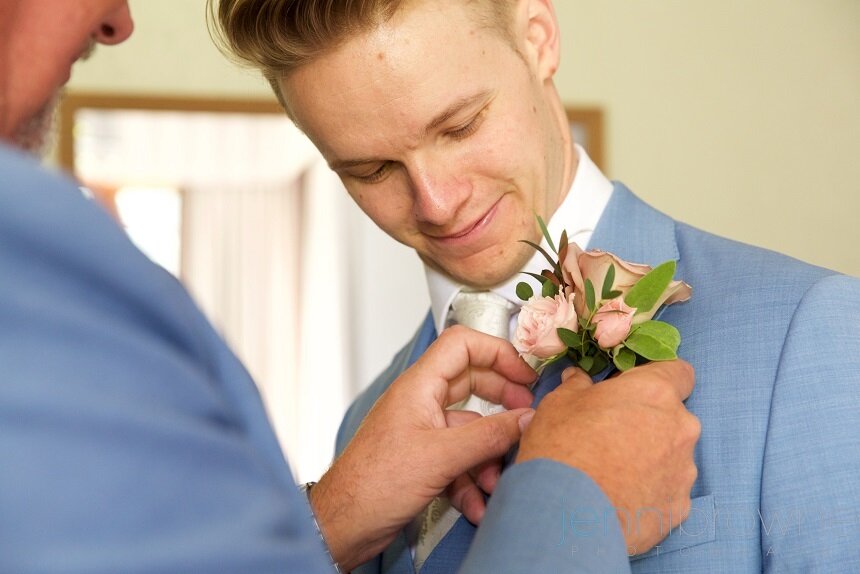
point(130, 438)
point(810, 502)
point(545, 516)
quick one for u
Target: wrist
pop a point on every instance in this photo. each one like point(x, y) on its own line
point(349, 519)
point(306, 489)
point(322, 506)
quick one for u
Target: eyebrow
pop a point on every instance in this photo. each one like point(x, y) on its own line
point(449, 112)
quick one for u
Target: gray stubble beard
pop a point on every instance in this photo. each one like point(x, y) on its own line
point(35, 134)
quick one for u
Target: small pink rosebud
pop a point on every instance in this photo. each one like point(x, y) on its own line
point(613, 321)
point(537, 323)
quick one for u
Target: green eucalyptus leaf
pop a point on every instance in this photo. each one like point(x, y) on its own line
point(646, 292)
point(524, 291)
point(606, 292)
point(613, 294)
point(649, 347)
point(545, 232)
point(600, 362)
point(540, 278)
point(573, 355)
point(568, 337)
point(549, 289)
point(624, 359)
point(589, 295)
point(663, 332)
point(586, 363)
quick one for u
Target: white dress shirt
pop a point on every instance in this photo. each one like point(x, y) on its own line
point(578, 214)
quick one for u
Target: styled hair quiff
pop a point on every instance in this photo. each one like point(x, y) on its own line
point(279, 36)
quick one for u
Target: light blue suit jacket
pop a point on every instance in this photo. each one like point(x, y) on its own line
point(776, 348)
point(131, 439)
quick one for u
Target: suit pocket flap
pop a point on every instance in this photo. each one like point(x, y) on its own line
point(699, 528)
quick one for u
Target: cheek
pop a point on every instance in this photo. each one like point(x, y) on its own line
point(389, 209)
point(508, 149)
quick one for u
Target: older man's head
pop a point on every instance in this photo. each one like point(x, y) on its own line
point(40, 40)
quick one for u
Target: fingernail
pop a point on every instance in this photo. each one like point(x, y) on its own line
point(568, 372)
point(525, 419)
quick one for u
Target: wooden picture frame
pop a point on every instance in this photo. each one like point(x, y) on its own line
point(589, 121)
point(72, 102)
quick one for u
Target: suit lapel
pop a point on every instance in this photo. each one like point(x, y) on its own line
point(451, 550)
point(635, 231)
point(396, 559)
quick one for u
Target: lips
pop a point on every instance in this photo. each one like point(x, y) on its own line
point(468, 229)
point(471, 231)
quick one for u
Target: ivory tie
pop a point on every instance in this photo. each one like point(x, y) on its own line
point(491, 314)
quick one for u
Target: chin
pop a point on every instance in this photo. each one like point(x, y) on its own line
point(489, 275)
point(34, 135)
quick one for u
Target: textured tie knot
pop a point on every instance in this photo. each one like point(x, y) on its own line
point(483, 311)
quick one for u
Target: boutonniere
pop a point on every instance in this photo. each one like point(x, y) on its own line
point(596, 309)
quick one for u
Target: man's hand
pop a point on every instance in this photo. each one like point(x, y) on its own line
point(632, 435)
point(409, 449)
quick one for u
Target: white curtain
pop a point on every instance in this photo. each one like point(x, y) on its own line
point(263, 251)
point(263, 261)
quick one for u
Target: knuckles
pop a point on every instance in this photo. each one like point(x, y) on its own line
point(693, 426)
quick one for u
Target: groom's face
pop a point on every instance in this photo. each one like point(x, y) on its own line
point(443, 132)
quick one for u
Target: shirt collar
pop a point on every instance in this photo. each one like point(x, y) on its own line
point(578, 213)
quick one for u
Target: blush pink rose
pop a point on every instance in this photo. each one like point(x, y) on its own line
point(612, 323)
point(593, 264)
point(537, 323)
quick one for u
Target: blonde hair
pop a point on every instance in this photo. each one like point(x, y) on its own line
point(279, 36)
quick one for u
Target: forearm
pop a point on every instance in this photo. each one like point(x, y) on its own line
point(544, 517)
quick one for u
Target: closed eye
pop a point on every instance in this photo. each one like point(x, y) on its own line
point(377, 175)
point(470, 128)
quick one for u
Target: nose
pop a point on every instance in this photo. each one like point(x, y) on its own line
point(438, 193)
point(114, 28)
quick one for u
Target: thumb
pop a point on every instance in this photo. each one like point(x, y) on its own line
point(484, 439)
point(576, 378)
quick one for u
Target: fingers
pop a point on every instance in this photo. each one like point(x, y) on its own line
point(466, 497)
point(460, 350)
point(488, 385)
point(513, 396)
point(480, 440)
point(460, 418)
point(486, 474)
point(576, 378)
point(677, 374)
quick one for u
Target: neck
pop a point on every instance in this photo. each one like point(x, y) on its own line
point(570, 160)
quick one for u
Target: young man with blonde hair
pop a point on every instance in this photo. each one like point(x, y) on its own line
point(442, 119)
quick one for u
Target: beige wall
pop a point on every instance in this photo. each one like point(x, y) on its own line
point(738, 116)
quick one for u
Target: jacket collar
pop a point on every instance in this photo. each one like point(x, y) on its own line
point(635, 231)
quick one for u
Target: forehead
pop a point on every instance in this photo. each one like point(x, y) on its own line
point(384, 85)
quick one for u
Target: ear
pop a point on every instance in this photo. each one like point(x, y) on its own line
point(537, 21)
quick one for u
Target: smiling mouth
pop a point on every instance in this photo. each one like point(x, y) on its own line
point(475, 226)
